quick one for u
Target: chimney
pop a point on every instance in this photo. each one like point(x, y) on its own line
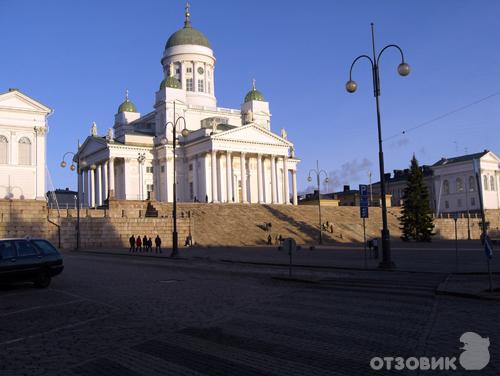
point(347, 188)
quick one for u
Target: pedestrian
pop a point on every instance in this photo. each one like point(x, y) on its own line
point(138, 243)
point(189, 241)
point(145, 243)
point(158, 243)
point(269, 240)
point(375, 248)
point(131, 241)
point(150, 245)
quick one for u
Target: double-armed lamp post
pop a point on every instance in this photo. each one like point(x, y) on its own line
point(184, 132)
point(318, 173)
point(351, 86)
point(72, 167)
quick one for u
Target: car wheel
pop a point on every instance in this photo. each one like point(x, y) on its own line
point(43, 280)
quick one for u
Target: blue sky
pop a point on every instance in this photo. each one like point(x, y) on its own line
point(78, 57)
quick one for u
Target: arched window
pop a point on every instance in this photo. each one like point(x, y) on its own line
point(24, 151)
point(459, 185)
point(4, 149)
point(446, 187)
point(485, 182)
point(472, 184)
point(492, 183)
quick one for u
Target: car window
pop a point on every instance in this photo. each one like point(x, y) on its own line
point(45, 246)
point(24, 248)
point(7, 250)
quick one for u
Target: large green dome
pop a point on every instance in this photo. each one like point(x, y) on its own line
point(187, 35)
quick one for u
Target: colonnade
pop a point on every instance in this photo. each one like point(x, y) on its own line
point(96, 182)
point(225, 190)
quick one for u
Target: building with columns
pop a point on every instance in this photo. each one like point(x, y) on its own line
point(226, 155)
point(23, 128)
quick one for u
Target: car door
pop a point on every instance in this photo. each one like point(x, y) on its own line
point(8, 259)
point(29, 259)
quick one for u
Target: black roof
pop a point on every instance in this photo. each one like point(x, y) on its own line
point(461, 158)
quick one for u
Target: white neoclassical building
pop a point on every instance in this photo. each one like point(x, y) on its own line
point(229, 155)
point(456, 187)
point(23, 128)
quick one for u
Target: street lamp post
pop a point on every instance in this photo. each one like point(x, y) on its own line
point(318, 173)
point(77, 168)
point(184, 133)
point(351, 86)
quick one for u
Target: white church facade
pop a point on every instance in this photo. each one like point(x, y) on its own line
point(221, 155)
point(23, 129)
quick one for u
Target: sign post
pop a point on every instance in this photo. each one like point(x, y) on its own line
point(363, 213)
point(290, 245)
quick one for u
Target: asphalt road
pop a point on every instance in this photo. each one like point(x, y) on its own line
point(115, 315)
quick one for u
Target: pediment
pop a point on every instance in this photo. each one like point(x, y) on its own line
point(91, 145)
point(254, 134)
point(490, 157)
point(15, 100)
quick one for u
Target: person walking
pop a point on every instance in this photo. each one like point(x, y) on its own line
point(131, 241)
point(138, 243)
point(158, 243)
point(145, 243)
point(150, 245)
point(269, 240)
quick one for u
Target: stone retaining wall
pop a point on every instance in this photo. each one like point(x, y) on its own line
point(209, 224)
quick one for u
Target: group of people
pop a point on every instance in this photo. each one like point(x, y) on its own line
point(145, 244)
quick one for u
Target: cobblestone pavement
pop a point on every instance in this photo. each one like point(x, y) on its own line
point(109, 315)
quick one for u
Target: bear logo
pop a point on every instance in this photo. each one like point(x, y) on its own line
point(476, 355)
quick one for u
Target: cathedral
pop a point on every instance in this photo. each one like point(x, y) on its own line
point(214, 154)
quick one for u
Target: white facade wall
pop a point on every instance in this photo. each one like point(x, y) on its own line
point(21, 117)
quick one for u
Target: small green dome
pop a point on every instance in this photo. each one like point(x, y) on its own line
point(170, 82)
point(254, 95)
point(127, 106)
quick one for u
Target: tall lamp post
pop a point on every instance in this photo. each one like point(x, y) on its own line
point(72, 167)
point(184, 132)
point(318, 173)
point(351, 86)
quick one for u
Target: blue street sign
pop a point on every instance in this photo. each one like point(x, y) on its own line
point(363, 201)
point(488, 248)
point(363, 211)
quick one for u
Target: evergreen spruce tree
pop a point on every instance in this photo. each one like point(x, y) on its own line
point(416, 216)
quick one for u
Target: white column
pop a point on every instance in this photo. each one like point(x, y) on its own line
point(92, 187)
point(243, 171)
point(259, 178)
point(294, 187)
point(285, 180)
point(195, 178)
point(273, 179)
point(98, 185)
point(214, 176)
point(104, 175)
point(85, 188)
point(125, 181)
point(229, 176)
point(111, 177)
point(80, 186)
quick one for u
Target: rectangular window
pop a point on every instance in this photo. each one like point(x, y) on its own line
point(189, 70)
point(162, 169)
point(201, 86)
point(178, 70)
point(191, 190)
point(25, 249)
point(472, 201)
point(149, 187)
point(149, 169)
point(446, 205)
point(190, 167)
point(189, 84)
point(7, 250)
point(459, 202)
